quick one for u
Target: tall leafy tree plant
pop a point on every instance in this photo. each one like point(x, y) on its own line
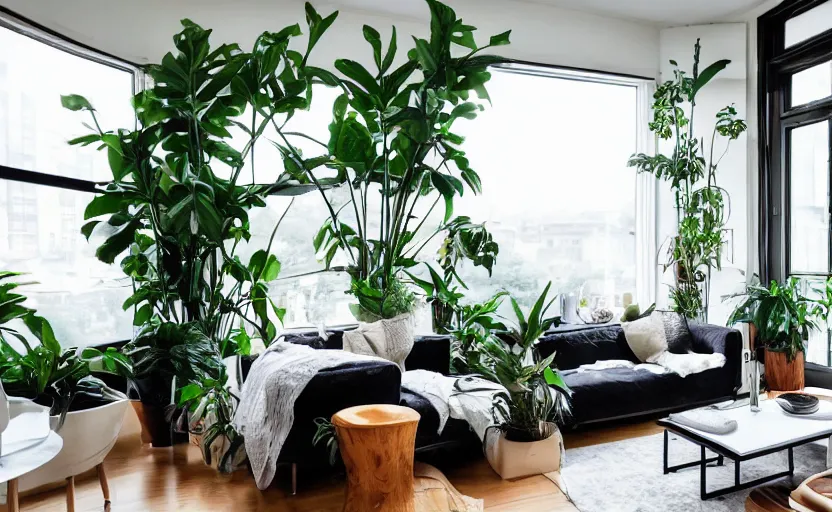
point(392, 144)
point(702, 206)
point(177, 208)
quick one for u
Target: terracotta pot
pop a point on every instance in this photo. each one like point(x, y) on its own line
point(512, 459)
point(783, 375)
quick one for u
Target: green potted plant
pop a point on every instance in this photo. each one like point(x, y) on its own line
point(392, 145)
point(464, 240)
point(783, 317)
point(176, 210)
point(702, 206)
point(536, 397)
point(65, 381)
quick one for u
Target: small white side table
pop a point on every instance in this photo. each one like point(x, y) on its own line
point(17, 464)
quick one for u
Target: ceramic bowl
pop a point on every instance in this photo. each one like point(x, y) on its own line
point(797, 403)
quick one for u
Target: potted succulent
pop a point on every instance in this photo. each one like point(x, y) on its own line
point(83, 409)
point(527, 440)
point(782, 318)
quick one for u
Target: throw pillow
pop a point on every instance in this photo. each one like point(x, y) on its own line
point(646, 337)
point(679, 340)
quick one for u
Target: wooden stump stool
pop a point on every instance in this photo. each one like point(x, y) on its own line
point(377, 444)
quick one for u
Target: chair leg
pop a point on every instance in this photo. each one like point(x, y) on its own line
point(105, 487)
point(12, 498)
point(294, 479)
point(70, 494)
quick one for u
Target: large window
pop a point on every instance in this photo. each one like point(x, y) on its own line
point(795, 140)
point(557, 195)
point(46, 184)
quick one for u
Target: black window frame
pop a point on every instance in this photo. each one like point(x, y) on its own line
point(777, 117)
point(50, 177)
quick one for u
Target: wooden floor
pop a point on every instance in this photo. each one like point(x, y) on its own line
point(162, 479)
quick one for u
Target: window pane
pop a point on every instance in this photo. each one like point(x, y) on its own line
point(34, 128)
point(809, 24)
point(812, 84)
point(817, 347)
point(809, 185)
point(557, 194)
point(80, 296)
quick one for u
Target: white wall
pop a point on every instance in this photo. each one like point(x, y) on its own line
point(141, 31)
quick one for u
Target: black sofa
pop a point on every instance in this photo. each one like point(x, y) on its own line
point(369, 383)
point(616, 393)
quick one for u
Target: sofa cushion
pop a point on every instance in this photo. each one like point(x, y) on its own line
point(620, 392)
point(586, 346)
point(426, 432)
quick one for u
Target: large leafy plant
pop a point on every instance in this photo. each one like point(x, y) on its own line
point(177, 206)
point(535, 392)
point(392, 144)
point(782, 315)
point(702, 206)
point(46, 372)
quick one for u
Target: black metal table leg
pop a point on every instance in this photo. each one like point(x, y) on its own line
point(702, 472)
point(791, 461)
point(736, 472)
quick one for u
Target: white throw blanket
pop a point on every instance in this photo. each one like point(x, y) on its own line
point(648, 341)
point(463, 398)
point(267, 405)
point(390, 339)
point(621, 363)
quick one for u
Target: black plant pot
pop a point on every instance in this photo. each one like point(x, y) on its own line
point(152, 409)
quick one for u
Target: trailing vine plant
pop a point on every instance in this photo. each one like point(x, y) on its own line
point(702, 206)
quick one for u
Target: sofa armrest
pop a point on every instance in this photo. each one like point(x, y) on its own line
point(432, 353)
point(714, 339)
point(331, 390)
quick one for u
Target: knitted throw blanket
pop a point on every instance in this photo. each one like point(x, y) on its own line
point(267, 404)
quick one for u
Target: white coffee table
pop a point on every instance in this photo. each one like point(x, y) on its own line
point(17, 464)
point(762, 433)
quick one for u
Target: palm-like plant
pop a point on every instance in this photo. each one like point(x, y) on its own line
point(392, 139)
point(535, 392)
point(782, 315)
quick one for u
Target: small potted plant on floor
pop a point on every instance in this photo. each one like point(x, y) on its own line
point(527, 440)
point(783, 317)
point(84, 410)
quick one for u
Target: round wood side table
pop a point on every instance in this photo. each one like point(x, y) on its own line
point(377, 444)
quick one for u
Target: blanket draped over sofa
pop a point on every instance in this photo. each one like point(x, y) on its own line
point(267, 406)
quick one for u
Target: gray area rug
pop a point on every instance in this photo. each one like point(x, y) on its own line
point(627, 476)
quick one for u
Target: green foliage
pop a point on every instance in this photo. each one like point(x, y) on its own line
point(473, 325)
point(702, 207)
point(781, 314)
point(168, 349)
point(633, 312)
point(209, 406)
point(325, 434)
point(171, 218)
point(535, 392)
point(391, 137)
point(46, 372)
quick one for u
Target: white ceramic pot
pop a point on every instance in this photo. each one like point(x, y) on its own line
point(511, 459)
point(88, 437)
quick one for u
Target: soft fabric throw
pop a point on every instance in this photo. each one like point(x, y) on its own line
point(390, 339)
point(464, 398)
point(705, 420)
point(267, 404)
point(647, 339)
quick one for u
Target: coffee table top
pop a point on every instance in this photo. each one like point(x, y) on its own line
point(766, 431)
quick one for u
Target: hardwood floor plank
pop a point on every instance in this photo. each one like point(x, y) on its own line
point(160, 479)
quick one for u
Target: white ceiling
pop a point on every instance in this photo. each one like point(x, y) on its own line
point(661, 12)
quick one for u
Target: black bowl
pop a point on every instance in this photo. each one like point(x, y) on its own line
point(798, 403)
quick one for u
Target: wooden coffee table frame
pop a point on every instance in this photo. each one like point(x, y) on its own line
point(723, 452)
